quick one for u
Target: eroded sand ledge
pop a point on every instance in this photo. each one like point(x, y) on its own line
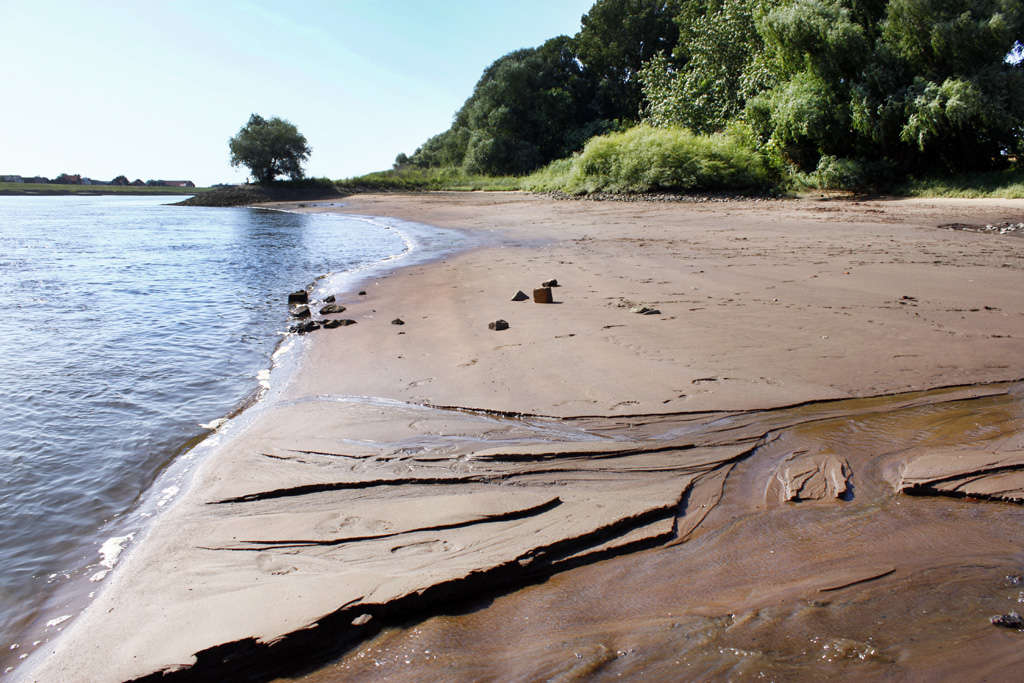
point(332, 514)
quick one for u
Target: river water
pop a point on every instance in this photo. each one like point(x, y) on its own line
point(130, 330)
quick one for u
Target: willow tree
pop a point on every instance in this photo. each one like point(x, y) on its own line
point(269, 148)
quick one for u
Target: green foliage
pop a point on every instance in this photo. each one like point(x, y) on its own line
point(537, 104)
point(414, 179)
point(849, 94)
point(819, 36)
point(616, 38)
point(1008, 184)
point(647, 159)
point(724, 65)
point(832, 86)
point(527, 108)
point(801, 118)
point(269, 148)
point(859, 175)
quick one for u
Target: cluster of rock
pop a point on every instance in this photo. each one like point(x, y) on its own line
point(1008, 228)
point(663, 197)
point(541, 295)
point(298, 307)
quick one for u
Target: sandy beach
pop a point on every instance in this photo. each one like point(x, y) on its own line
point(748, 436)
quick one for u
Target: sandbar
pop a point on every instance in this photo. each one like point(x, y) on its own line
point(692, 381)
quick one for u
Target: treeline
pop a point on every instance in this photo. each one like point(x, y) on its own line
point(838, 93)
point(78, 179)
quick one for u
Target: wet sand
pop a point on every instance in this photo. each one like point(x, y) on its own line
point(643, 467)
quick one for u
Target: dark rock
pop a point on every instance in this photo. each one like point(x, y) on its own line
point(397, 321)
point(362, 292)
point(345, 322)
point(645, 310)
point(300, 312)
point(329, 299)
point(332, 308)
point(1011, 620)
point(299, 297)
point(520, 296)
point(331, 324)
point(549, 283)
point(304, 327)
point(542, 296)
point(498, 325)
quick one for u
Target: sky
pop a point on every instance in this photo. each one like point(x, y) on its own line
point(155, 90)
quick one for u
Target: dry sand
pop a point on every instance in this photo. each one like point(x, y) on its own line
point(332, 516)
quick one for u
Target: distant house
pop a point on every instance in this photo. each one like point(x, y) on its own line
point(11, 179)
point(179, 183)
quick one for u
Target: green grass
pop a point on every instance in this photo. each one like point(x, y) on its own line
point(646, 159)
point(1007, 184)
point(426, 179)
point(49, 188)
point(651, 160)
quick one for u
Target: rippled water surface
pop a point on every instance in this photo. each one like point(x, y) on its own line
point(126, 325)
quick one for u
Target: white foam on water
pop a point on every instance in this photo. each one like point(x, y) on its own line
point(112, 549)
point(283, 349)
point(167, 494)
point(58, 621)
point(214, 424)
point(263, 377)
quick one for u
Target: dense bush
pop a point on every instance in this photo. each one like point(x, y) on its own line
point(918, 85)
point(647, 159)
point(413, 179)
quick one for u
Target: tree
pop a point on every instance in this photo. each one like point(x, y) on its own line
point(269, 148)
point(524, 110)
point(851, 88)
point(529, 107)
point(616, 38)
point(718, 64)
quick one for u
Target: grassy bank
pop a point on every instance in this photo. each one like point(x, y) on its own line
point(54, 189)
point(1008, 184)
point(411, 179)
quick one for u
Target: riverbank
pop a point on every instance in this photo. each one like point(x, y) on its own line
point(51, 189)
point(362, 498)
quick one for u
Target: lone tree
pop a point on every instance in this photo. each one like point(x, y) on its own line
point(269, 148)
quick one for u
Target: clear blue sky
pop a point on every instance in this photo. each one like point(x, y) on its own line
point(154, 90)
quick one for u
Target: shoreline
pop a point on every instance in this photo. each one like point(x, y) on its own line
point(121, 535)
point(587, 356)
